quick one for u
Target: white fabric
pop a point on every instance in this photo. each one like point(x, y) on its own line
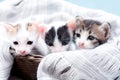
point(101, 63)
point(6, 61)
point(52, 10)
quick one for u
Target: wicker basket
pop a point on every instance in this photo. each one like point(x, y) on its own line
point(26, 67)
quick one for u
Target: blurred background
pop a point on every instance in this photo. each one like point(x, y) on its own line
point(111, 6)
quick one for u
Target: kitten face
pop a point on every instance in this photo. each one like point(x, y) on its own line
point(58, 40)
point(90, 33)
point(23, 39)
point(58, 37)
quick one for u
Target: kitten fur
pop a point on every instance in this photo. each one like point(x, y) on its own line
point(15, 36)
point(6, 60)
point(90, 33)
point(57, 36)
point(22, 37)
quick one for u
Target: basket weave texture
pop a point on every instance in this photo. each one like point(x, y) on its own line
point(25, 67)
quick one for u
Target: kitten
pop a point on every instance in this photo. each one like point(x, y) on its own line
point(22, 37)
point(90, 33)
point(57, 36)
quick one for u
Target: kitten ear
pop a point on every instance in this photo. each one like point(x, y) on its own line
point(10, 29)
point(105, 27)
point(75, 23)
point(31, 26)
point(71, 25)
point(79, 20)
point(41, 29)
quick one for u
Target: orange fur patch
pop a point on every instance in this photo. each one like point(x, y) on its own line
point(12, 29)
point(30, 27)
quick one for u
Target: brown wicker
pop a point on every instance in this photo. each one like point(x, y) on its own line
point(26, 67)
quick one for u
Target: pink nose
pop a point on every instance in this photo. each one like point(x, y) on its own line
point(81, 45)
point(22, 52)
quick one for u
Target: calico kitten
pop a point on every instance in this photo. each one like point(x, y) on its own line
point(90, 33)
point(57, 36)
point(22, 37)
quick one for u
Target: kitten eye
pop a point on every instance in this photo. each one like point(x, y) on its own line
point(65, 41)
point(91, 37)
point(48, 40)
point(77, 34)
point(65, 38)
point(15, 43)
point(50, 36)
point(30, 42)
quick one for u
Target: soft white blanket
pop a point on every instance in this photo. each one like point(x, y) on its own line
point(101, 63)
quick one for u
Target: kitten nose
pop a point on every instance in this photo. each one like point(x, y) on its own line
point(81, 45)
point(22, 52)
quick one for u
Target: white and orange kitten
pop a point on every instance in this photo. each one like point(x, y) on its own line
point(22, 37)
point(90, 33)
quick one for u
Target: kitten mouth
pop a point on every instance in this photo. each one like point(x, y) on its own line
point(82, 47)
point(22, 55)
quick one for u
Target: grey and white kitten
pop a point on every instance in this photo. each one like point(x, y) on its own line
point(90, 33)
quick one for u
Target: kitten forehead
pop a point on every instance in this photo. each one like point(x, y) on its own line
point(23, 33)
point(23, 36)
point(88, 23)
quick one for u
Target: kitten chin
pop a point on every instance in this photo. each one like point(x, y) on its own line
point(89, 34)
